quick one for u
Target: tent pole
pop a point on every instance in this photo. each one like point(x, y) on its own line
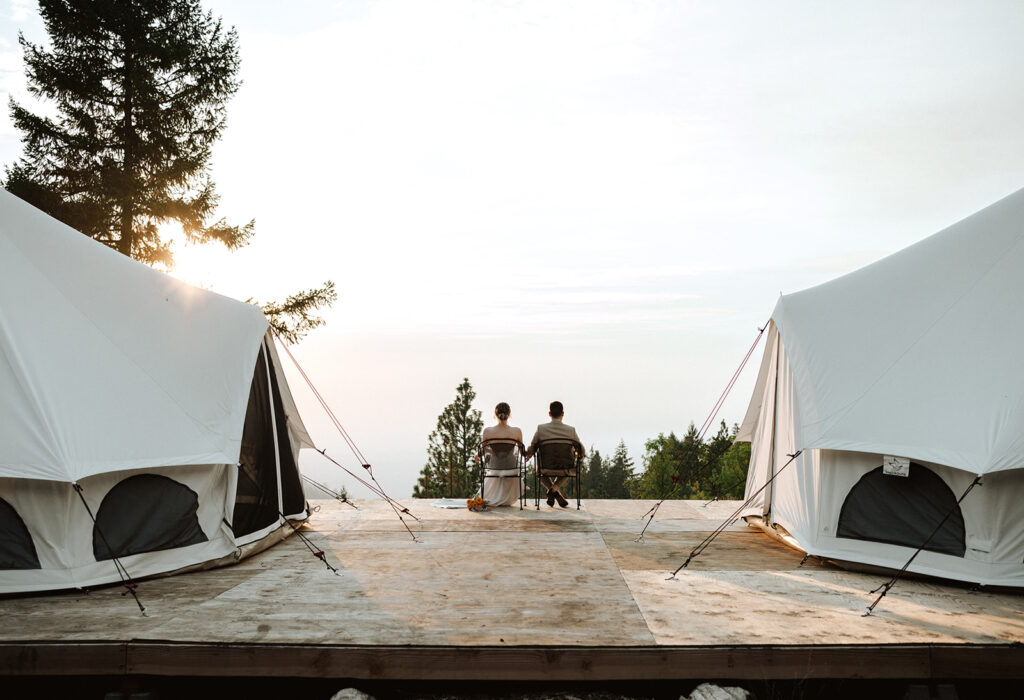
point(273, 423)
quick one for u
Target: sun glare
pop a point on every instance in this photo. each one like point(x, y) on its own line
point(201, 266)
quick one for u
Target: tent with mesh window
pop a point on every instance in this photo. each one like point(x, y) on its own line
point(145, 425)
point(900, 384)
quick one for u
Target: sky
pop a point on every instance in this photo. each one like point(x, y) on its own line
point(597, 202)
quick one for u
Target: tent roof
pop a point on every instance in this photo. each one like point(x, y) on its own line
point(107, 364)
point(919, 354)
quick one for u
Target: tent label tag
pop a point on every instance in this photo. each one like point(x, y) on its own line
point(895, 466)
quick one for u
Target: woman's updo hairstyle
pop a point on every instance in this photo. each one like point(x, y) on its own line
point(502, 411)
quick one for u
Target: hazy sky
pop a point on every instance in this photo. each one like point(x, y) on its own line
point(596, 202)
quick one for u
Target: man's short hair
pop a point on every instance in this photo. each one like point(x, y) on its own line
point(556, 409)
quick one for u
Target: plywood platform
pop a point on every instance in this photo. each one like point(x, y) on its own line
point(548, 594)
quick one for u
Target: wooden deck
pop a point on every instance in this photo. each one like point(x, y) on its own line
point(548, 595)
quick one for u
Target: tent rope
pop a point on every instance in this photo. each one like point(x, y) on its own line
point(887, 586)
point(314, 550)
point(704, 427)
point(397, 507)
point(122, 572)
point(699, 549)
point(368, 485)
point(376, 488)
point(326, 489)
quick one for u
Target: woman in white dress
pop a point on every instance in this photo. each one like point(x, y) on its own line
point(502, 460)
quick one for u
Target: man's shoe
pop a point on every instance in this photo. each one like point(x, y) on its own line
point(561, 500)
point(551, 498)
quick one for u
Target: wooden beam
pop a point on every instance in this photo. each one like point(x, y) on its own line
point(513, 663)
point(63, 659)
point(533, 663)
point(993, 662)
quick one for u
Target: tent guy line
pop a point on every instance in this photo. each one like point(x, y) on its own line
point(707, 422)
point(329, 491)
point(315, 551)
point(899, 382)
point(126, 578)
point(139, 397)
point(887, 586)
point(732, 382)
point(699, 549)
point(327, 409)
point(376, 487)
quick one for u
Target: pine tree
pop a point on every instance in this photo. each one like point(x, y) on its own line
point(594, 476)
point(618, 476)
point(140, 91)
point(452, 469)
point(713, 453)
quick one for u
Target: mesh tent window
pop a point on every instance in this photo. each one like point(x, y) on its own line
point(904, 511)
point(146, 513)
point(17, 551)
point(256, 495)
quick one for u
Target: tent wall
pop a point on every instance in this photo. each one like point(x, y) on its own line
point(918, 354)
point(112, 370)
point(993, 515)
point(758, 426)
point(107, 364)
point(773, 440)
point(807, 497)
point(62, 530)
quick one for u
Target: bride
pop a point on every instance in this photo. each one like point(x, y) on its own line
point(501, 459)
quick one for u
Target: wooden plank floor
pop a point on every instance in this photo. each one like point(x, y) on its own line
point(552, 594)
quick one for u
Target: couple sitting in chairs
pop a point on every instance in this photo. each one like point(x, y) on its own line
point(557, 448)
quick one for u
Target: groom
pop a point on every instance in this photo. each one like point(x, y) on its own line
point(545, 431)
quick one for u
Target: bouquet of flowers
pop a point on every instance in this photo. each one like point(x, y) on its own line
point(475, 504)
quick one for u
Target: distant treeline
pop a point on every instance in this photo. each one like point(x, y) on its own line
point(690, 467)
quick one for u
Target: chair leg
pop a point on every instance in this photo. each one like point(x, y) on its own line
point(536, 489)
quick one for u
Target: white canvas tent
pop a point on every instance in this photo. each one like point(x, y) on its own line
point(144, 392)
point(917, 356)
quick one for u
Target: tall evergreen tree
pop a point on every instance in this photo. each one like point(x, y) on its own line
point(140, 90)
point(452, 469)
point(714, 451)
point(594, 475)
point(618, 476)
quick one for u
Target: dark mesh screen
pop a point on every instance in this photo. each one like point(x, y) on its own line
point(146, 513)
point(291, 484)
point(16, 548)
point(904, 510)
point(256, 493)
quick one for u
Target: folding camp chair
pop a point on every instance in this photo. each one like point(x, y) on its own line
point(503, 459)
point(558, 457)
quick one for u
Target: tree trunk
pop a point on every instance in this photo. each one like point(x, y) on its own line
point(127, 240)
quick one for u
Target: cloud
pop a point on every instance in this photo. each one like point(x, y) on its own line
point(20, 10)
